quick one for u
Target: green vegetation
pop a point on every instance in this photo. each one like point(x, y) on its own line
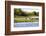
point(18, 13)
point(25, 20)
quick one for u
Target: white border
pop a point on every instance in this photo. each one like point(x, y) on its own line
point(28, 28)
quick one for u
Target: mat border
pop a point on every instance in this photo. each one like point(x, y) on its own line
point(8, 17)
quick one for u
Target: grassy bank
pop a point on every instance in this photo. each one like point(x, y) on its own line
point(24, 19)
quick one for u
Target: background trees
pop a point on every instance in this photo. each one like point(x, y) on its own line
point(19, 12)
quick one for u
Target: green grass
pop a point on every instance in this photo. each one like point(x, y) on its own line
point(23, 20)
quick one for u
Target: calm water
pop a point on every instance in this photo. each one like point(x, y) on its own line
point(27, 24)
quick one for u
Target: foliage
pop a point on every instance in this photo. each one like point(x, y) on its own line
point(19, 12)
point(26, 20)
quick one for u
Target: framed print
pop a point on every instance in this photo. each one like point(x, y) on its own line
point(24, 17)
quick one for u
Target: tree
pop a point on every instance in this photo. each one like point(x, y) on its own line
point(17, 11)
point(34, 12)
point(37, 14)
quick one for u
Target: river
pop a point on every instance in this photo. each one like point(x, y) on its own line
point(26, 24)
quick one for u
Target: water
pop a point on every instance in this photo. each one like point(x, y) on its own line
point(26, 24)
